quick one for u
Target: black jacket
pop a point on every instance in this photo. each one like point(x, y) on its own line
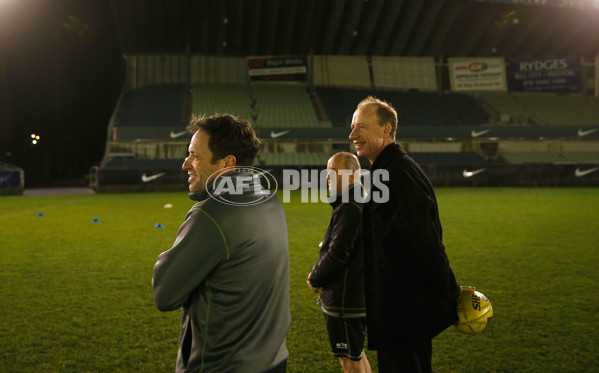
point(339, 270)
point(411, 291)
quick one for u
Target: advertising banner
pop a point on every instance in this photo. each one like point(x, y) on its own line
point(11, 178)
point(277, 68)
point(544, 74)
point(481, 74)
point(529, 174)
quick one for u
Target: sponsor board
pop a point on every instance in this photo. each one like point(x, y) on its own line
point(544, 74)
point(482, 74)
point(277, 68)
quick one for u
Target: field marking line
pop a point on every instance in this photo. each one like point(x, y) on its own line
point(31, 211)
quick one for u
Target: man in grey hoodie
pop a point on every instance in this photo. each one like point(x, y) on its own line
point(229, 266)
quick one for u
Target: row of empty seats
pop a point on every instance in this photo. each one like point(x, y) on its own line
point(544, 110)
point(321, 158)
point(222, 98)
point(284, 105)
point(448, 158)
point(288, 159)
point(288, 105)
point(266, 105)
point(317, 159)
point(551, 157)
point(144, 164)
point(413, 108)
point(154, 106)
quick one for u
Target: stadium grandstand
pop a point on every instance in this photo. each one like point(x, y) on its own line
point(487, 91)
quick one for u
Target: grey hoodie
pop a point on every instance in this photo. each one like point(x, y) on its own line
point(229, 270)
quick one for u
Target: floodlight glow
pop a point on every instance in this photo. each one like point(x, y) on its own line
point(33, 135)
point(37, 137)
point(34, 142)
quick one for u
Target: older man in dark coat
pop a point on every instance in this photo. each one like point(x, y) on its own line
point(411, 291)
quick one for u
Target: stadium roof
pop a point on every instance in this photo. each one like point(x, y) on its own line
point(441, 28)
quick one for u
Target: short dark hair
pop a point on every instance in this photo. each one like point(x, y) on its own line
point(229, 135)
point(385, 112)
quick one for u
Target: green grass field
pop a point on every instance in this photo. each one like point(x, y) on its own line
point(75, 296)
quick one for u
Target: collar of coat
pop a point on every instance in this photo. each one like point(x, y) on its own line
point(390, 151)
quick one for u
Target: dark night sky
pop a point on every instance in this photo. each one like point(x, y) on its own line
point(64, 72)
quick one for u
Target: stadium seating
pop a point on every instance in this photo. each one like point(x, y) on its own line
point(284, 105)
point(142, 164)
point(292, 159)
point(153, 113)
point(320, 159)
point(270, 105)
point(153, 106)
point(534, 157)
point(582, 157)
point(551, 157)
point(222, 98)
point(545, 110)
point(414, 108)
point(448, 158)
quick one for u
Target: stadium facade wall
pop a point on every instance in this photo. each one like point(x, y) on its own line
point(404, 73)
point(466, 74)
point(156, 69)
point(144, 70)
point(341, 71)
point(210, 69)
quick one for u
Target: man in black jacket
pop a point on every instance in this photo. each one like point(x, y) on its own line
point(411, 291)
point(338, 274)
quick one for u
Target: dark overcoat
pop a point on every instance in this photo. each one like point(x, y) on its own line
point(411, 291)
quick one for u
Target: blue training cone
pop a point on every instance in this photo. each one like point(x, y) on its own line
point(40, 214)
point(159, 225)
point(96, 220)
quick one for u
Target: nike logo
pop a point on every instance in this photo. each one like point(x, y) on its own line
point(582, 133)
point(475, 133)
point(468, 174)
point(175, 135)
point(581, 173)
point(146, 179)
point(275, 135)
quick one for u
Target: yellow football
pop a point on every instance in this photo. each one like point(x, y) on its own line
point(474, 312)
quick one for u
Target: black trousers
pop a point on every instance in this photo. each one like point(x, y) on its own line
point(414, 359)
point(281, 368)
